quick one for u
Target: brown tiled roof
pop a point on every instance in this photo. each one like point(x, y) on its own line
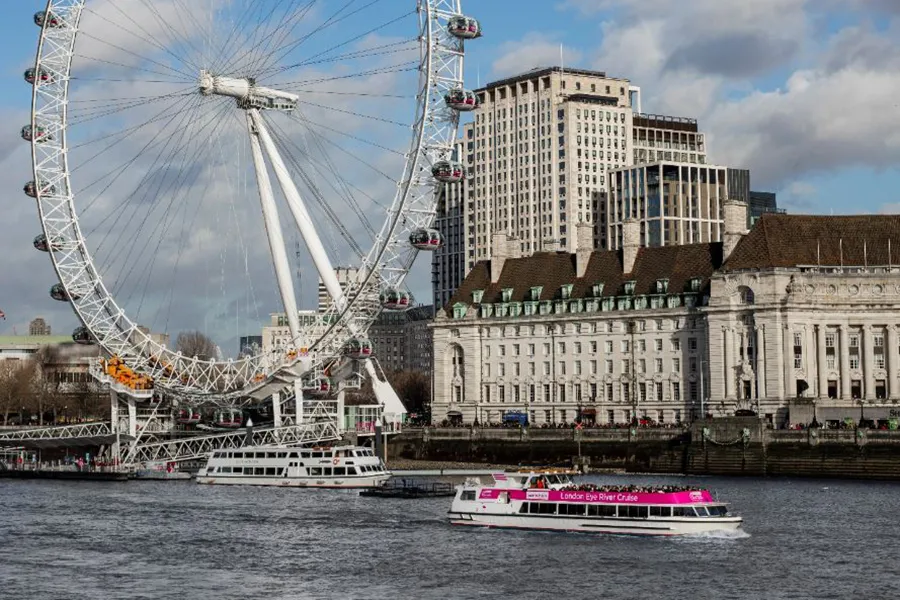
point(791, 240)
point(552, 270)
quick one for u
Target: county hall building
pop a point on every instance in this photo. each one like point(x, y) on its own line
point(795, 320)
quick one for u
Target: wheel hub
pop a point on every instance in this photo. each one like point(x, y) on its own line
point(247, 93)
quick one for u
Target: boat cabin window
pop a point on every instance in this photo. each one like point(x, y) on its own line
point(701, 511)
point(542, 508)
point(317, 471)
point(317, 455)
point(717, 511)
point(660, 511)
point(468, 496)
point(601, 510)
point(339, 471)
point(572, 509)
point(683, 511)
point(238, 470)
point(634, 512)
point(270, 471)
point(282, 455)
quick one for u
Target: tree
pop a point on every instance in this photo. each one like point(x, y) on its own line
point(414, 389)
point(45, 392)
point(15, 385)
point(195, 343)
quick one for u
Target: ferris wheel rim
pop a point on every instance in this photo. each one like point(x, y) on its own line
point(119, 334)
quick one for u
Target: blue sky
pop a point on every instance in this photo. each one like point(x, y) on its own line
point(805, 93)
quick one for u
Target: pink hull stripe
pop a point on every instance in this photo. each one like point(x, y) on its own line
point(690, 497)
point(594, 532)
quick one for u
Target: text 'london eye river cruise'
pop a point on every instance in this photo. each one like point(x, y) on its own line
point(549, 500)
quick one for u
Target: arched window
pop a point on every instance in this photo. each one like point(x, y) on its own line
point(747, 296)
point(457, 382)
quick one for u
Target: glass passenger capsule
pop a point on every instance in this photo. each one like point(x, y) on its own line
point(447, 171)
point(58, 292)
point(317, 387)
point(42, 18)
point(82, 336)
point(426, 239)
point(358, 348)
point(40, 243)
point(38, 134)
point(461, 100)
point(464, 28)
point(393, 299)
point(42, 76)
point(31, 189)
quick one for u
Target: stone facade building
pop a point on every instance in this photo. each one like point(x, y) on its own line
point(794, 320)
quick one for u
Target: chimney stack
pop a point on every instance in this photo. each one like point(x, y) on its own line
point(735, 225)
point(631, 242)
point(584, 247)
point(502, 249)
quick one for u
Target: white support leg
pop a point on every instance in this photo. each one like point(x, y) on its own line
point(276, 409)
point(339, 418)
point(390, 402)
point(273, 230)
point(132, 417)
point(298, 401)
point(301, 215)
point(114, 423)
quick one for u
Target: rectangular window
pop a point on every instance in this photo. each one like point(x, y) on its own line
point(561, 369)
point(610, 393)
point(577, 348)
point(694, 395)
point(515, 349)
point(642, 345)
point(854, 352)
point(830, 360)
point(692, 344)
point(798, 350)
point(878, 342)
point(659, 392)
point(658, 365)
point(547, 397)
point(658, 345)
point(609, 346)
point(676, 345)
point(502, 393)
point(609, 367)
point(562, 392)
point(593, 367)
point(642, 389)
point(676, 365)
point(546, 368)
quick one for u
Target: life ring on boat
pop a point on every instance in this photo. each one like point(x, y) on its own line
point(335, 460)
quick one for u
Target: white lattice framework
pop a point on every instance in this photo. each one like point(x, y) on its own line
point(433, 134)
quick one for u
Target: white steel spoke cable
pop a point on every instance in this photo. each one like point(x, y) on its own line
point(354, 113)
point(331, 167)
point(262, 39)
point(228, 50)
point(176, 78)
point(105, 110)
point(397, 48)
point(248, 40)
point(146, 37)
point(326, 206)
point(299, 86)
point(312, 123)
point(177, 193)
point(134, 197)
point(179, 72)
point(158, 194)
point(285, 147)
point(175, 35)
point(344, 43)
point(285, 51)
point(274, 42)
point(157, 138)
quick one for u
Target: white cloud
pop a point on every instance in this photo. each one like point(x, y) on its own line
point(533, 51)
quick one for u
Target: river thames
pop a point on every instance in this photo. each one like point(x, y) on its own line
point(164, 540)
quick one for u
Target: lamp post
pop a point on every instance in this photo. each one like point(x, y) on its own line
point(702, 389)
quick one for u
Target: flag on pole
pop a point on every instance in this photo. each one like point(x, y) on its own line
point(2, 315)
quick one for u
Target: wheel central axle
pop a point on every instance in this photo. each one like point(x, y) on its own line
point(247, 93)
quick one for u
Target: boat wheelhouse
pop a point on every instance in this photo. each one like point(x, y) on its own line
point(549, 500)
point(323, 467)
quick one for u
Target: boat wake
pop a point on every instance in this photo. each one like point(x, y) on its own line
point(736, 534)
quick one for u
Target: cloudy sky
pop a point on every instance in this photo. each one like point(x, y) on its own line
point(804, 93)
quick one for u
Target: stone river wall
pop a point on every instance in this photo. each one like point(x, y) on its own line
point(733, 446)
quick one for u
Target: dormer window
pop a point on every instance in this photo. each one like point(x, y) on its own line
point(459, 310)
point(535, 293)
point(597, 290)
point(566, 291)
point(507, 294)
point(477, 295)
point(695, 284)
point(629, 287)
point(662, 286)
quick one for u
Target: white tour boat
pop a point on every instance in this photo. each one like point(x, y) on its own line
point(549, 500)
point(321, 467)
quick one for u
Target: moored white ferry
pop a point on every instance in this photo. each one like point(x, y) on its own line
point(321, 467)
point(548, 500)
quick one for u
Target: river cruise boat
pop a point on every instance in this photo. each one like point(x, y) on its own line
point(318, 467)
point(549, 500)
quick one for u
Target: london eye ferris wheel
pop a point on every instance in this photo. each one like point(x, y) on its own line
point(157, 127)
